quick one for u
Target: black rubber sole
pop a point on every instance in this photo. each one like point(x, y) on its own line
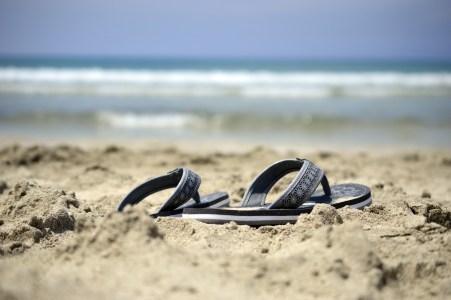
point(353, 195)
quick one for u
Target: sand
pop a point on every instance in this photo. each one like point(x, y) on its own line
point(61, 239)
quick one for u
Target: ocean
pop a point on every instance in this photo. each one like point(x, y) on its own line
point(260, 101)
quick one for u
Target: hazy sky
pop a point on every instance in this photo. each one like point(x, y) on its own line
point(406, 29)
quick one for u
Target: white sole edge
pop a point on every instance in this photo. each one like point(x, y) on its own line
point(218, 218)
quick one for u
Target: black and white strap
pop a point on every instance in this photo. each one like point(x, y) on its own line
point(299, 191)
point(186, 184)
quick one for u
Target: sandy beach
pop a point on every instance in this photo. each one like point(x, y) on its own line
point(60, 237)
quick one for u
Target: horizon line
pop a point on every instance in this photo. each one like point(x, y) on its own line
point(75, 57)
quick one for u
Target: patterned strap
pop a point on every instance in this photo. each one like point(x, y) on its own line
point(186, 184)
point(299, 191)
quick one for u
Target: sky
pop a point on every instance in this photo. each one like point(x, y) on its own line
point(340, 29)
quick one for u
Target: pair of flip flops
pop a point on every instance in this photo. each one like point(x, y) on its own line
point(299, 197)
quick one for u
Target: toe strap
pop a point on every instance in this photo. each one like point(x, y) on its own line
point(299, 191)
point(186, 184)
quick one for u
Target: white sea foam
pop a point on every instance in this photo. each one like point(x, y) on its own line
point(252, 84)
point(151, 121)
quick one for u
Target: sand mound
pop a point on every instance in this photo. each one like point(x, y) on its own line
point(116, 234)
point(432, 212)
point(283, 261)
point(322, 214)
point(334, 261)
point(315, 238)
point(24, 156)
point(30, 212)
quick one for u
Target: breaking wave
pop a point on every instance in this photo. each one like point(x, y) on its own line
point(221, 83)
point(155, 121)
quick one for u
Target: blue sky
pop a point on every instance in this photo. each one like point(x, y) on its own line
point(342, 29)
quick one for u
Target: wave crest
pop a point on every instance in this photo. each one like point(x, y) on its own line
point(249, 84)
point(155, 121)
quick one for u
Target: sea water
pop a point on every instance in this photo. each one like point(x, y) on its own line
point(263, 101)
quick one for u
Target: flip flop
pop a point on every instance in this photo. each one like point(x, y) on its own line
point(185, 195)
point(299, 197)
